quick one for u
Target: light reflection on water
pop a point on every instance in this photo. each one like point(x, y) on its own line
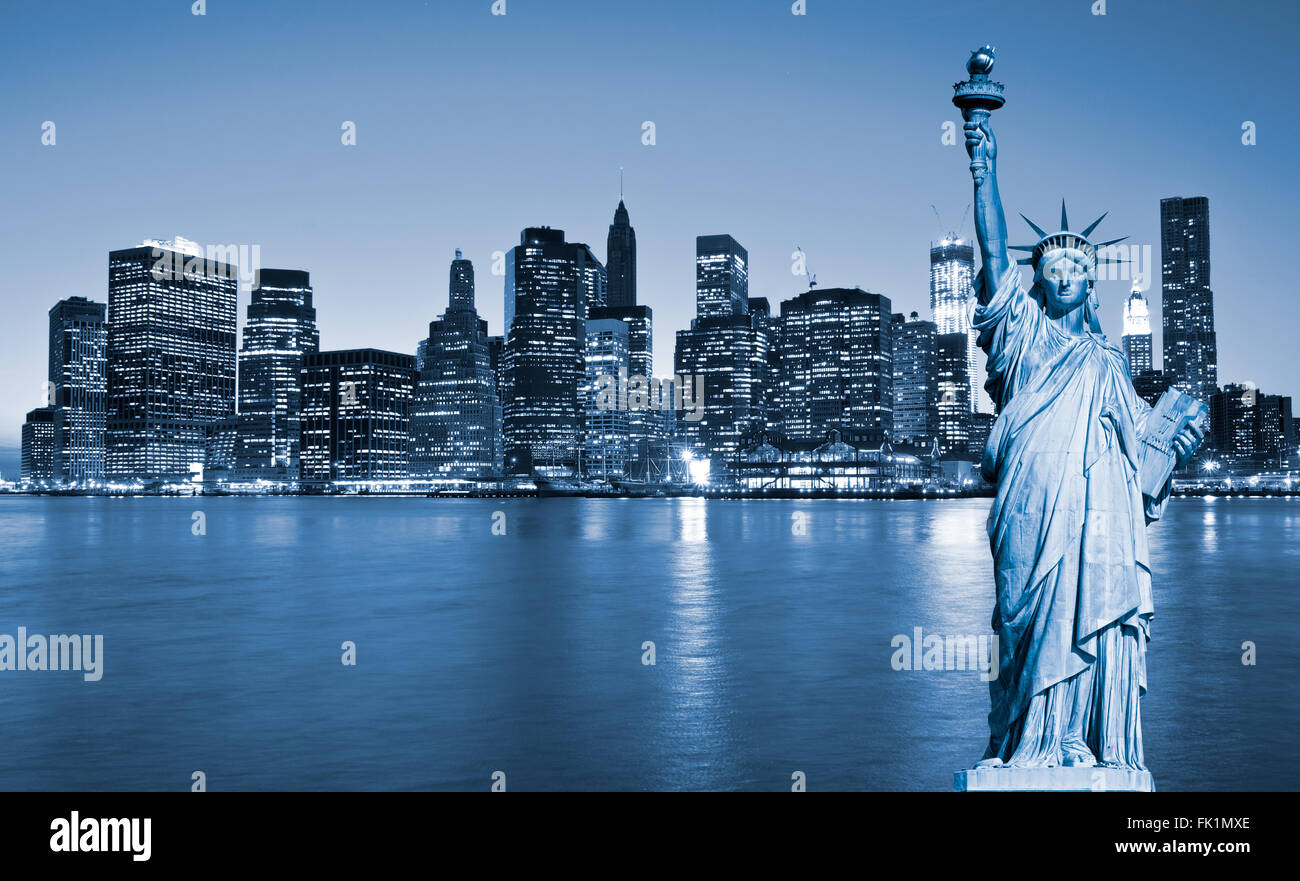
point(522, 652)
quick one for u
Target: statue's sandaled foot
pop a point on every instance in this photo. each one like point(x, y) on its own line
point(1074, 757)
point(994, 762)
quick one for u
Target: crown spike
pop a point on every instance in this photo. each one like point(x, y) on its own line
point(1101, 245)
point(1025, 261)
point(1035, 227)
point(1087, 232)
point(1065, 221)
point(1028, 248)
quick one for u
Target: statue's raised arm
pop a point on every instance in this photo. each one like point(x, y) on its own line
point(990, 222)
point(977, 99)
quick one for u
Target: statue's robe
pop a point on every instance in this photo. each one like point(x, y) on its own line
point(1068, 535)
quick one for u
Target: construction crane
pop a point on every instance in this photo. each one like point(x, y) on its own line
point(812, 279)
point(944, 234)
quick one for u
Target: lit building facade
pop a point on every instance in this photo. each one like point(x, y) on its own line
point(455, 415)
point(644, 427)
point(952, 301)
point(37, 451)
point(721, 277)
point(916, 381)
point(171, 357)
point(78, 386)
point(280, 331)
point(1137, 333)
point(606, 432)
point(836, 364)
point(356, 415)
point(953, 388)
point(838, 464)
point(1191, 354)
point(550, 285)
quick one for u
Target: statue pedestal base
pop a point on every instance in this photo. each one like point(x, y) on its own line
point(1071, 779)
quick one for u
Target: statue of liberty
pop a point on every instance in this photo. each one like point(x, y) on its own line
point(1068, 525)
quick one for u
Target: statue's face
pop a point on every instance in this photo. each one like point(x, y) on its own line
point(1066, 280)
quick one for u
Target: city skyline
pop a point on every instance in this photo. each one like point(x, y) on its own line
point(745, 169)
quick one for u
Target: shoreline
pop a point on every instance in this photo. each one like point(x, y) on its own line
point(734, 495)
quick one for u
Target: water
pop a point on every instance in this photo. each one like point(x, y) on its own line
point(522, 653)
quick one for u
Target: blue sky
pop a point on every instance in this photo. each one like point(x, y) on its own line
point(820, 130)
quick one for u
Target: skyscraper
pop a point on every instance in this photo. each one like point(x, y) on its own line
point(644, 427)
point(455, 415)
point(836, 364)
point(1137, 333)
point(37, 451)
point(721, 277)
point(954, 392)
point(952, 301)
point(606, 436)
point(730, 354)
point(1187, 302)
point(356, 415)
point(280, 331)
point(728, 348)
point(78, 377)
point(171, 356)
point(620, 259)
point(916, 381)
point(550, 285)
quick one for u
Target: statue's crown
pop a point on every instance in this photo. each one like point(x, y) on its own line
point(1077, 241)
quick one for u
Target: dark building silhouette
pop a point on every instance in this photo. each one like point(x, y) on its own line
point(496, 356)
point(455, 415)
point(981, 426)
point(836, 364)
point(1187, 302)
point(171, 357)
point(1151, 384)
point(78, 389)
point(37, 451)
point(1246, 423)
point(280, 332)
point(916, 381)
point(356, 415)
point(620, 259)
point(550, 286)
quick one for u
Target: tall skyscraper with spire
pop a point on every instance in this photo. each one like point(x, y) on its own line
point(455, 415)
point(1137, 332)
point(620, 257)
point(1191, 352)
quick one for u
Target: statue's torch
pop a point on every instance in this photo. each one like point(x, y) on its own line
point(979, 96)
